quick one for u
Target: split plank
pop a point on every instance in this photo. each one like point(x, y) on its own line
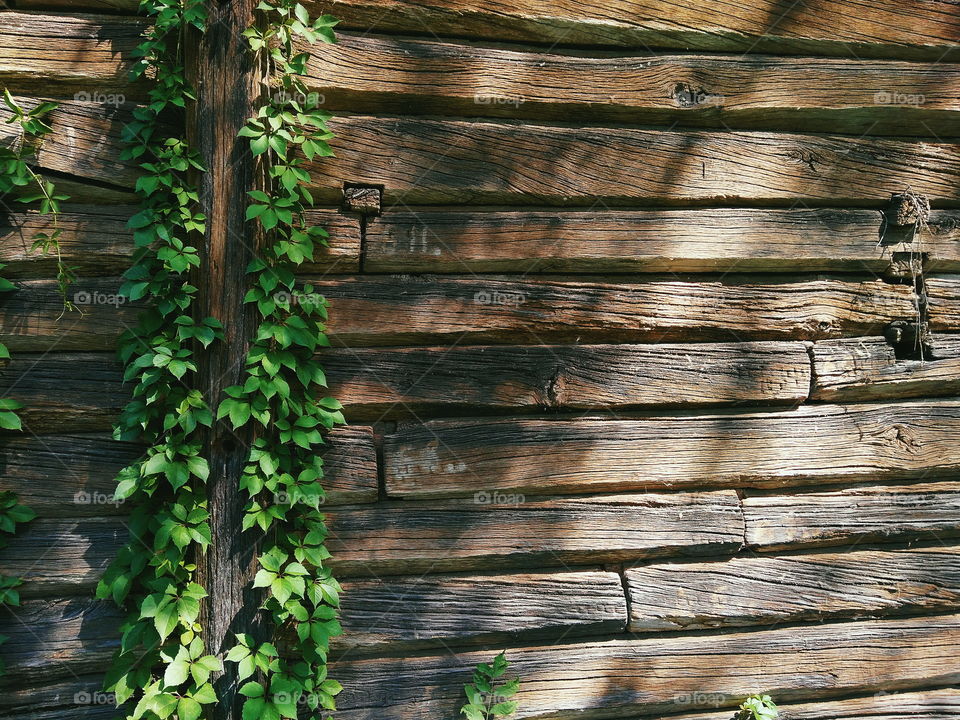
point(96, 242)
point(927, 29)
point(364, 73)
point(75, 475)
point(808, 587)
point(403, 310)
point(857, 514)
point(703, 240)
point(90, 54)
point(857, 369)
point(663, 675)
point(422, 162)
point(809, 445)
point(943, 297)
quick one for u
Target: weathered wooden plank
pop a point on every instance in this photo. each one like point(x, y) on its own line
point(85, 143)
point(74, 475)
point(498, 530)
point(96, 242)
point(703, 240)
point(434, 610)
point(663, 675)
point(381, 382)
point(927, 29)
point(80, 698)
point(486, 532)
point(792, 588)
point(402, 310)
point(856, 369)
point(857, 514)
point(943, 296)
point(809, 445)
point(89, 54)
point(364, 73)
point(420, 161)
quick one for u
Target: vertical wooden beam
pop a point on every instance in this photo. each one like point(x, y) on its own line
point(227, 84)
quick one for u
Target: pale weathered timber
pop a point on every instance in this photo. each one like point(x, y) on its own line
point(383, 382)
point(422, 161)
point(792, 588)
point(435, 610)
point(364, 73)
point(853, 515)
point(663, 675)
point(52, 639)
point(496, 529)
point(703, 240)
point(400, 310)
point(74, 475)
point(809, 445)
point(943, 294)
point(403, 310)
point(928, 29)
point(486, 532)
point(90, 55)
point(85, 143)
point(96, 242)
point(855, 369)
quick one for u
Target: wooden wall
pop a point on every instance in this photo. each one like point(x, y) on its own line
point(613, 355)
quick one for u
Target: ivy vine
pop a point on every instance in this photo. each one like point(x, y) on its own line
point(161, 664)
point(282, 393)
point(488, 697)
point(12, 513)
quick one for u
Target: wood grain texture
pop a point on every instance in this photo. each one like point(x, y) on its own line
point(364, 73)
point(703, 240)
point(380, 310)
point(420, 161)
point(927, 30)
point(856, 369)
point(647, 676)
point(793, 588)
point(853, 515)
point(943, 297)
point(96, 242)
point(67, 556)
point(810, 445)
point(436, 610)
point(79, 697)
point(89, 54)
point(497, 530)
point(383, 382)
point(72, 476)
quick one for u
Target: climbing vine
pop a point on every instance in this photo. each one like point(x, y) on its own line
point(12, 513)
point(282, 393)
point(161, 664)
point(488, 698)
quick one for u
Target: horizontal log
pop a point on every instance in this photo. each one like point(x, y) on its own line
point(85, 143)
point(486, 532)
point(703, 240)
point(764, 590)
point(855, 369)
point(74, 476)
point(364, 73)
point(649, 676)
point(809, 445)
point(422, 162)
point(79, 698)
point(95, 241)
point(381, 382)
point(927, 29)
point(943, 298)
point(436, 610)
point(857, 514)
point(88, 54)
point(381, 310)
